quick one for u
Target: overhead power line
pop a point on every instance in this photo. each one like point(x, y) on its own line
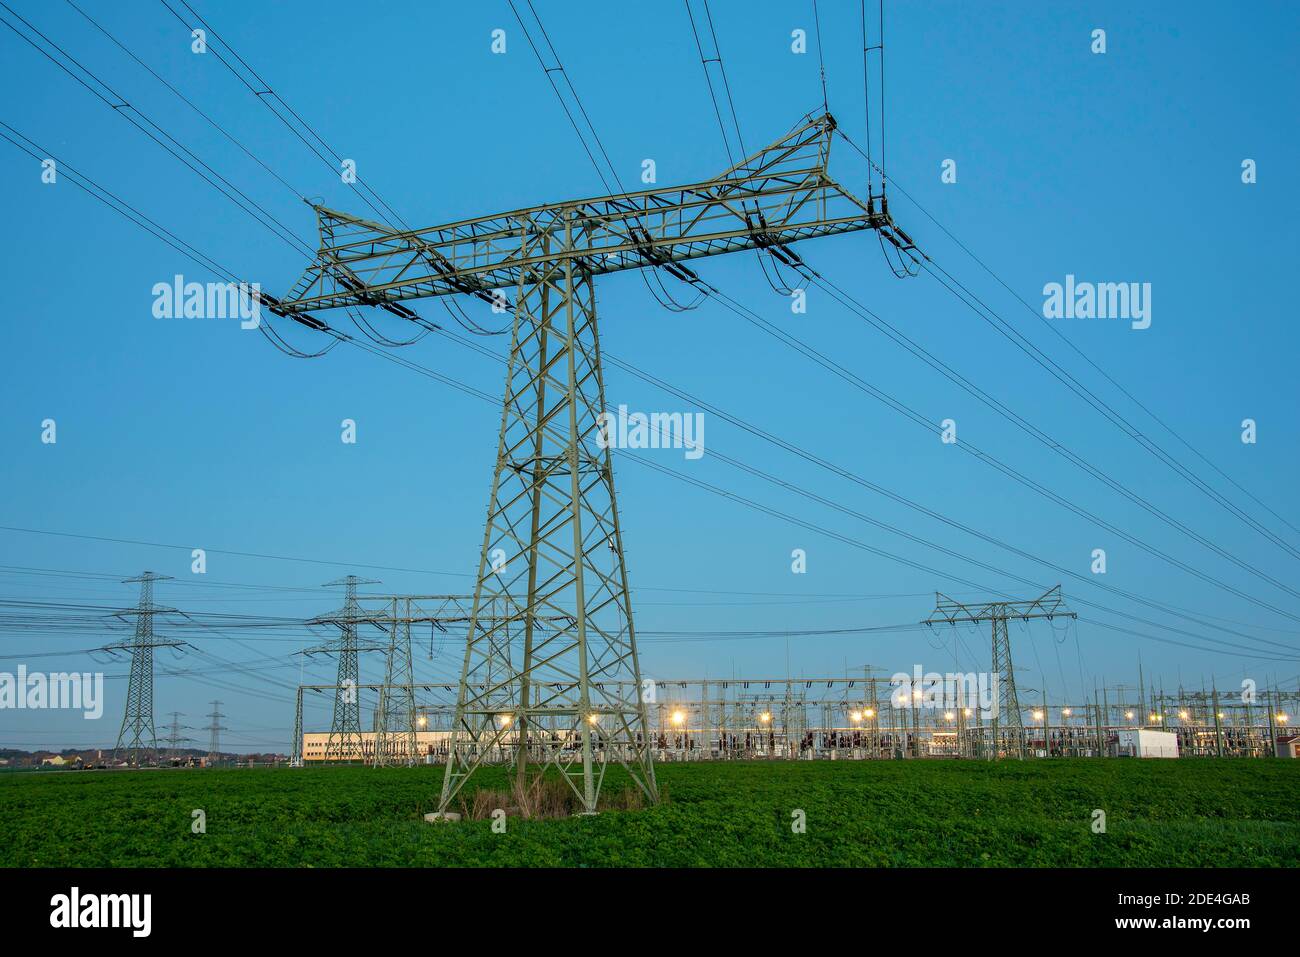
point(995, 319)
point(354, 343)
point(141, 121)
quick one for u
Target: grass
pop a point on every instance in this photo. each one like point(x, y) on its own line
point(1193, 813)
point(542, 797)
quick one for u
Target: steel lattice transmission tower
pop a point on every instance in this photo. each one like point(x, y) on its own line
point(345, 741)
point(569, 695)
point(174, 736)
point(395, 741)
point(214, 732)
point(137, 721)
point(395, 714)
point(295, 751)
point(1008, 723)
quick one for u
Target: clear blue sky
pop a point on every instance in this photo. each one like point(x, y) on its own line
point(1117, 167)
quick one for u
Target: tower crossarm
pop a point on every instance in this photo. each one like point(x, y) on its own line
point(950, 611)
point(440, 610)
point(152, 642)
point(780, 194)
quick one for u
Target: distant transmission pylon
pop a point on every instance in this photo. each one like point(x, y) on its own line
point(137, 736)
point(295, 756)
point(1008, 723)
point(174, 737)
point(395, 741)
point(345, 741)
point(215, 729)
point(568, 696)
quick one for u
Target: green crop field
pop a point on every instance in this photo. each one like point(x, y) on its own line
point(913, 813)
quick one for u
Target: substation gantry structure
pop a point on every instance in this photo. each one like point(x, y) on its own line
point(395, 719)
point(552, 512)
point(787, 718)
point(1008, 723)
point(395, 710)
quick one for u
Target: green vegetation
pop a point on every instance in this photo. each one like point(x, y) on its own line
point(902, 813)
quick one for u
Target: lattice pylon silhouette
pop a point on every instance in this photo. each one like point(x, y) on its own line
point(395, 741)
point(174, 737)
point(345, 742)
point(1007, 723)
point(295, 759)
point(563, 694)
point(550, 480)
point(137, 720)
point(1009, 732)
point(214, 732)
